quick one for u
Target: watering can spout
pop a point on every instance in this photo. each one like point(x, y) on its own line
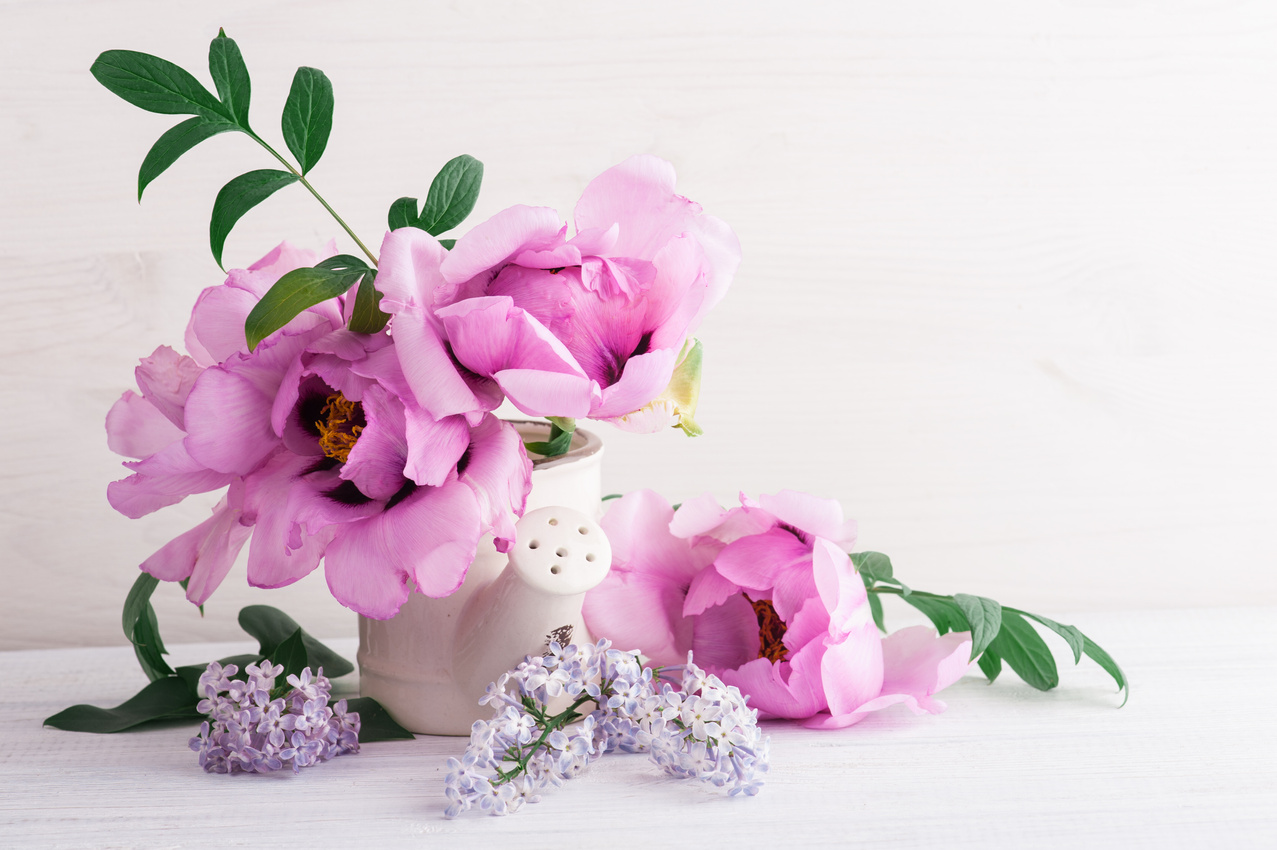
point(558, 555)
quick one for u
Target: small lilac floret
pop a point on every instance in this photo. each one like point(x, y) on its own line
point(700, 729)
point(249, 732)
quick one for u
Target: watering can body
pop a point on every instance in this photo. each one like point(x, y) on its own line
point(429, 665)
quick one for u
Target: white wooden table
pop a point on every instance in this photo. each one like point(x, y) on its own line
point(1188, 762)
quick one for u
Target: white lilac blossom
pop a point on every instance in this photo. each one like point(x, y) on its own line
point(255, 730)
point(701, 729)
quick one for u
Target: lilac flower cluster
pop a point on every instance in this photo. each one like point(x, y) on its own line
point(255, 730)
point(701, 729)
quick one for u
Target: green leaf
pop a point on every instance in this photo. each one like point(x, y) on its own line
point(447, 243)
point(308, 116)
point(230, 75)
point(872, 565)
point(173, 144)
point(1071, 635)
point(292, 293)
point(1024, 650)
point(170, 698)
point(271, 627)
point(367, 317)
point(142, 628)
point(1099, 656)
point(342, 263)
point(560, 441)
point(875, 608)
point(452, 195)
point(238, 197)
point(941, 610)
point(291, 653)
point(403, 213)
point(990, 664)
point(611, 496)
point(156, 85)
point(375, 723)
point(985, 617)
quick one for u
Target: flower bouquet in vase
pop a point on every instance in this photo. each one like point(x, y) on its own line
point(345, 404)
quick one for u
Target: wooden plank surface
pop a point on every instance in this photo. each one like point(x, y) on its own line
point(1187, 763)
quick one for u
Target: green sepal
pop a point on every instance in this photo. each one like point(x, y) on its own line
point(1022, 648)
point(610, 496)
point(272, 627)
point(561, 430)
point(238, 197)
point(173, 144)
point(308, 116)
point(142, 628)
point(230, 76)
point(156, 85)
point(292, 293)
point(985, 617)
point(375, 723)
point(169, 698)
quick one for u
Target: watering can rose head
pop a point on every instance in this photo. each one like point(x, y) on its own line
point(592, 325)
point(322, 449)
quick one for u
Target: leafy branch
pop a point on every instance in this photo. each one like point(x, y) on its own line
point(998, 632)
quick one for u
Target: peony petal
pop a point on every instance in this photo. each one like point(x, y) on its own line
point(376, 462)
point(708, 589)
point(165, 478)
point(643, 378)
point(918, 663)
point(638, 527)
point(136, 428)
point(204, 554)
point(433, 535)
point(436, 384)
point(638, 195)
point(640, 611)
point(697, 516)
point(851, 670)
point(540, 393)
point(758, 562)
point(165, 379)
point(820, 517)
point(271, 561)
point(498, 471)
point(361, 573)
point(789, 689)
point(841, 589)
point(501, 237)
point(434, 446)
point(726, 635)
point(408, 274)
point(824, 720)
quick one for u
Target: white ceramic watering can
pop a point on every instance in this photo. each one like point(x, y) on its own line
point(430, 664)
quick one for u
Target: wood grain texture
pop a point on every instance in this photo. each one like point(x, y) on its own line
point(1187, 763)
point(1008, 288)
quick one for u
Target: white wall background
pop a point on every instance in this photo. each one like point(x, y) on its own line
point(1009, 288)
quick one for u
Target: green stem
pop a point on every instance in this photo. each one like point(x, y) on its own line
point(318, 197)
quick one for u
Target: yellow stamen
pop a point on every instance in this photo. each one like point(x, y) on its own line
point(338, 431)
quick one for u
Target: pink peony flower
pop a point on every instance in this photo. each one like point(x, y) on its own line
point(765, 597)
point(326, 453)
point(588, 326)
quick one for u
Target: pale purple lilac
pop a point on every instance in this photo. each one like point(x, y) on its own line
point(251, 732)
point(701, 729)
